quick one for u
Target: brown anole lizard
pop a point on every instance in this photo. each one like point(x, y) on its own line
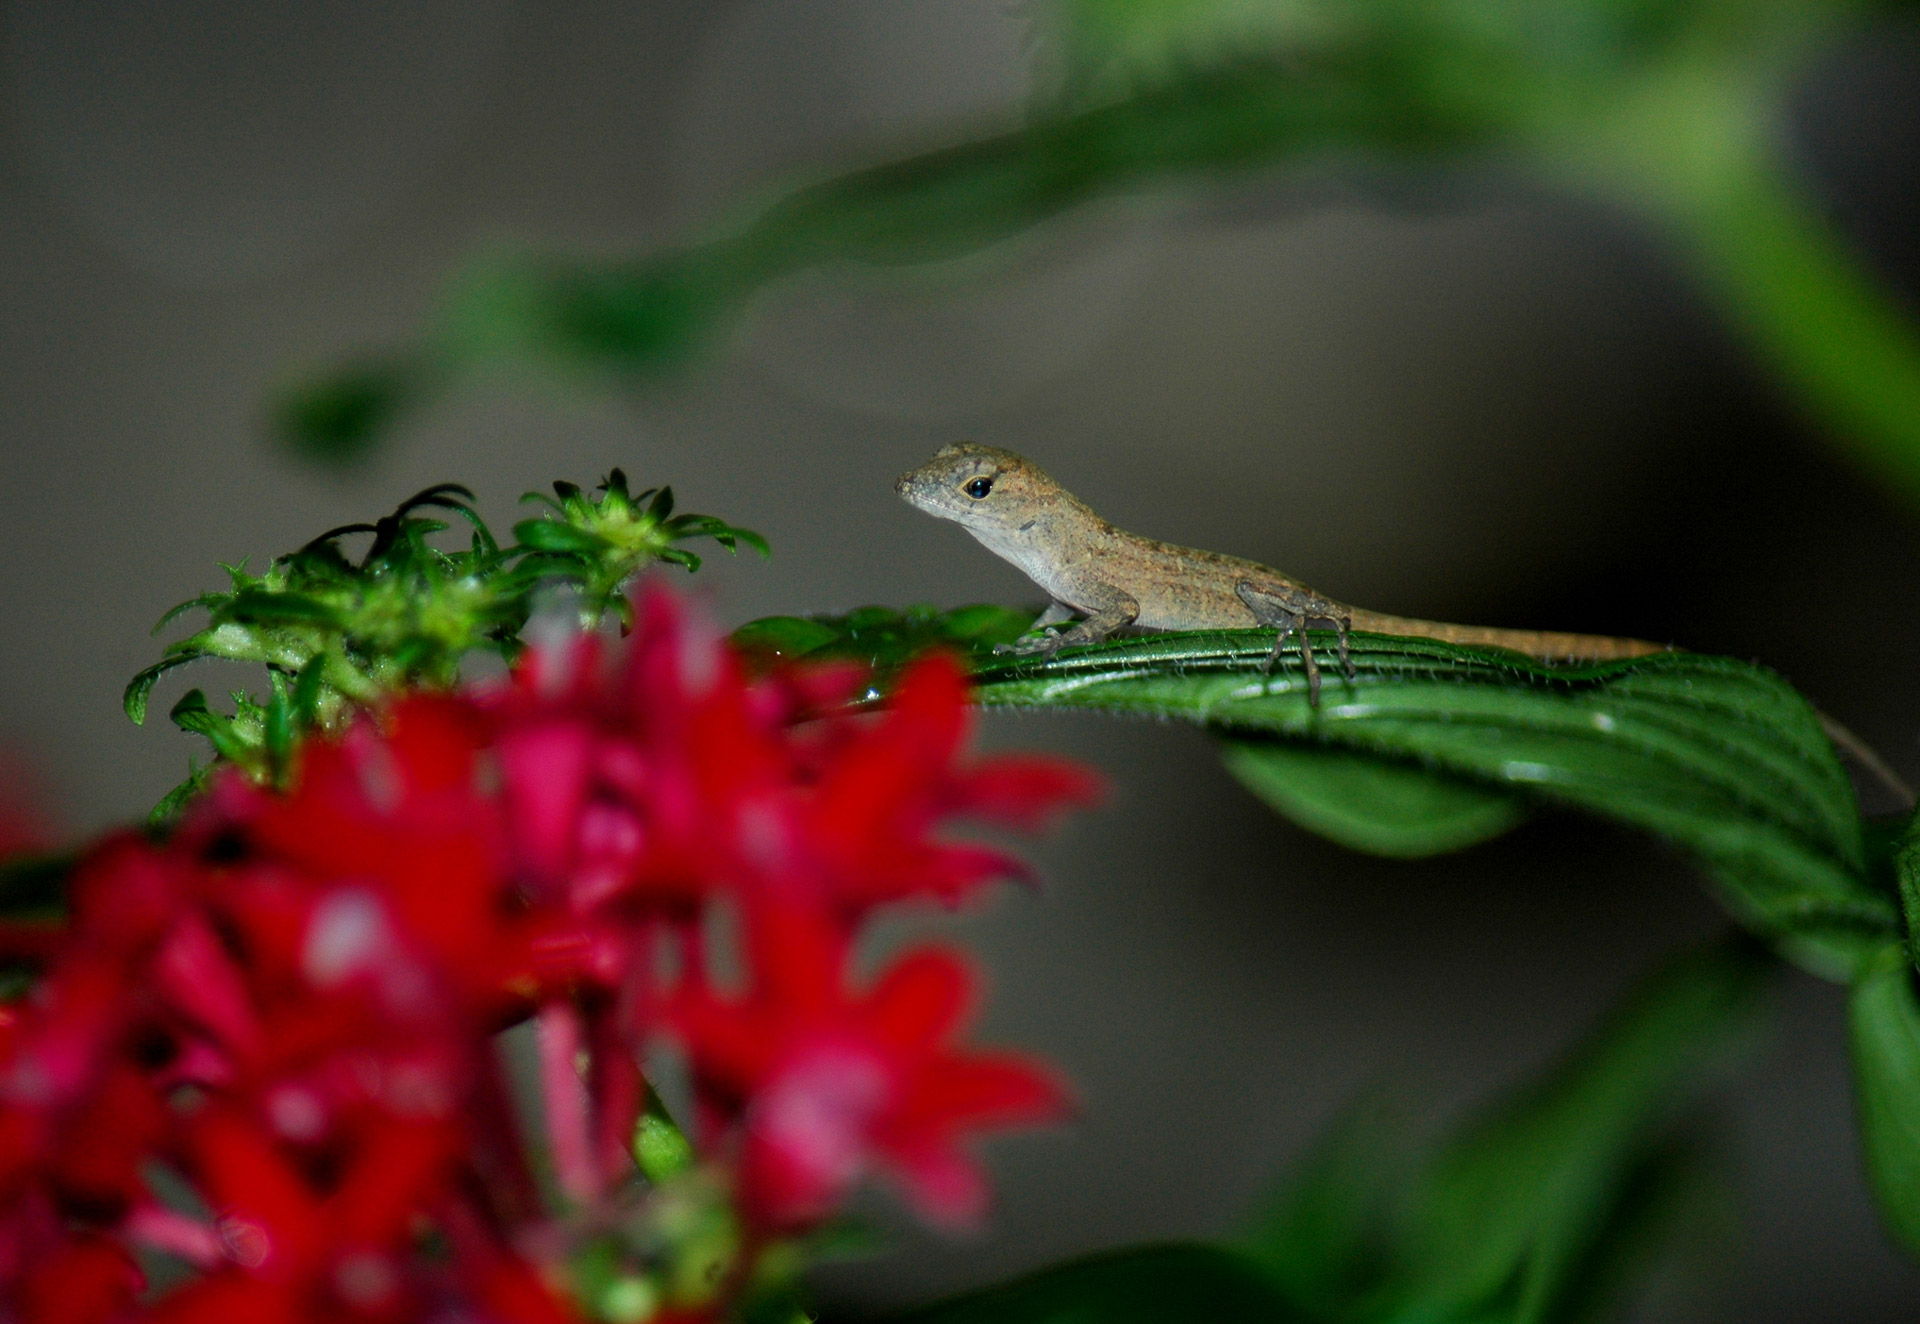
point(1112, 579)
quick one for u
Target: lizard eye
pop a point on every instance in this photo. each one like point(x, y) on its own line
point(978, 488)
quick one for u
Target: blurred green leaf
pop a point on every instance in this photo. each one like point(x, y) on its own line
point(1717, 755)
point(1551, 1206)
point(1884, 1019)
point(1145, 1285)
point(884, 638)
point(1328, 1234)
point(1513, 1211)
point(338, 419)
point(785, 636)
point(1370, 803)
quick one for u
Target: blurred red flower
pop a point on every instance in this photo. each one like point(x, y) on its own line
point(290, 1006)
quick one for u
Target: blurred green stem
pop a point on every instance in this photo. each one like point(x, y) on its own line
point(1675, 110)
point(1816, 315)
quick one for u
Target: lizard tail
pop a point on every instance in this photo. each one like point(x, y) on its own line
point(1547, 645)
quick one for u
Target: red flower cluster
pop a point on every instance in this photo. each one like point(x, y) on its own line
point(267, 1047)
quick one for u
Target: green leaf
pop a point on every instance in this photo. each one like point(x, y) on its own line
point(1884, 1020)
point(1514, 1209)
point(1146, 1285)
point(1372, 804)
point(1715, 754)
point(134, 699)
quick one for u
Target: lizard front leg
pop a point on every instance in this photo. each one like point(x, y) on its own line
point(1113, 609)
point(1042, 627)
point(1287, 608)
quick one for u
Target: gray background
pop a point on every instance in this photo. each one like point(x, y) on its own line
point(1445, 395)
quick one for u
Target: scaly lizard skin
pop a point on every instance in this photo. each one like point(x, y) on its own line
point(1113, 579)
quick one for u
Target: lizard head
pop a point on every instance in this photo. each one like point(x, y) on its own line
point(981, 487)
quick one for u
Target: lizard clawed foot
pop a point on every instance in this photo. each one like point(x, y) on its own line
point(1044, 641)
point(1288, 612)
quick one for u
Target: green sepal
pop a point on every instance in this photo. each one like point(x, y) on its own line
point(307, 688)
point(545, 535)
point(259, 607)
point(140, 688)
point(170, 805)
point(191, 713)
point(660, 1147)
point(207, 601)
point(279, 728)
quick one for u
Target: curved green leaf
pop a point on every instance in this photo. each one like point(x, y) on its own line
point(1884, 1020)
point(1144, 1285)
point(1371, 804)
point(1717, 755)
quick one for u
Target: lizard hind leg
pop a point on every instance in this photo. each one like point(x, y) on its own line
point(1287, 612)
